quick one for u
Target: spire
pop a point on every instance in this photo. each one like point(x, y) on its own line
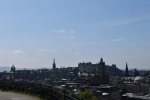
point(54, 61)
point(127, 71)
point(54, 65)
point(101, 60)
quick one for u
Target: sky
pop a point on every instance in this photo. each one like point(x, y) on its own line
point(34, 32)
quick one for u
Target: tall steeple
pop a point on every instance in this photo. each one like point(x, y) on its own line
point(54, 65)
point(127, 71)
point(101, 60)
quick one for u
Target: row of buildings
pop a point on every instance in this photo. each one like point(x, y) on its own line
point(73, 79)
point(87, 75)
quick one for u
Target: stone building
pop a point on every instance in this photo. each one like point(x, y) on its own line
point(105, 92)
point(135, 84)
point(96, 77)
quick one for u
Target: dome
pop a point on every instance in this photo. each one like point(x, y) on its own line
point(138, 78)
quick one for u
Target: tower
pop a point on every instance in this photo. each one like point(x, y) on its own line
point(103, 77)
point(13, 69)
point(102, 67)
point(126, 71)
point(54, 65)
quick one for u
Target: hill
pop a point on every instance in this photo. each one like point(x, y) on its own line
point(2, 69)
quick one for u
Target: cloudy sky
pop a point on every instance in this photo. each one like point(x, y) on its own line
point(33, 32)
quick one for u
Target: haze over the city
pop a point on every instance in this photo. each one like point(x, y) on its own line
point(33, 32)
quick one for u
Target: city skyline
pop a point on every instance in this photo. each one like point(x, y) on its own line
point(34, 32)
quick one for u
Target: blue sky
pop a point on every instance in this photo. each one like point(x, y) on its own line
point(33, 32)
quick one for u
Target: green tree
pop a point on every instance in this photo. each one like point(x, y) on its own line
point(63, 89)
point(114, 80)
point(87, 94)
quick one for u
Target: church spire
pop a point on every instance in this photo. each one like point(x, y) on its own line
point(54, 60)
point(127, 71)
point(54, 65)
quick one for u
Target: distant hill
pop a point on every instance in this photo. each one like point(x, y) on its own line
point(2, 69)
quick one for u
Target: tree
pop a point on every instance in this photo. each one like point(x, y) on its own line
point(87, 95)
point(114, 80)
point(53, 76)
point(63, 89)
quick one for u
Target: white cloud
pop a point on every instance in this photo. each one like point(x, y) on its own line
point(60, 31)
point(4, 53)
point(18, 52)
point(71, 31)
point(40, 53)
point(45, 51)
point(1, 50)
point(131, 20)
point(11, 57)
point(117, 40)
point(117, 22)
point(28, 60)
point(67, 34)
point(77, 53)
